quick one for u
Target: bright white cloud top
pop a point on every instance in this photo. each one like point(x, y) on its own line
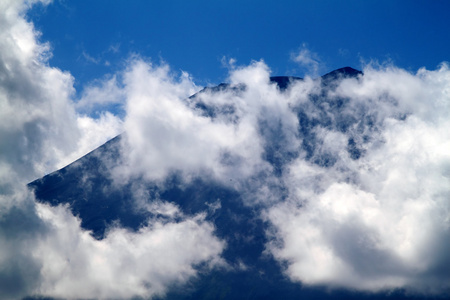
point(43, 250)
point(374, 222)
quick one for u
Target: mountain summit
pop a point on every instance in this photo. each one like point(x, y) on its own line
point(90, 188)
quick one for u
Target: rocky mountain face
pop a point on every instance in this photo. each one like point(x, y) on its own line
point(89, 188)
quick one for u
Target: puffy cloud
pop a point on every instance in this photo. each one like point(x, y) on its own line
point(362, 169)
point(353, 177)
point(40, 126)
point(38, 123)
point(20, 228)
point(380, 220)
point(94, 132)
point(123, 264)
point(43, 250)
point(215, 132)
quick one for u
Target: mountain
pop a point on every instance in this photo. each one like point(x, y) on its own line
point(88, 188)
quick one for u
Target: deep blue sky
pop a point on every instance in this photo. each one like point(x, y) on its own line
point(93, 38)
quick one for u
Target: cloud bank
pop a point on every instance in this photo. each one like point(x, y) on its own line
point(378, 218)
point(352, 176)
point(43, 250)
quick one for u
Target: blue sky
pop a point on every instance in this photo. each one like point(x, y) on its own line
point(93, 38)
point(352, 186)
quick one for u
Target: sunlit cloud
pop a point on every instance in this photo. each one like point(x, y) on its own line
point(43, 249)
point(351, 177)
point(379, 221)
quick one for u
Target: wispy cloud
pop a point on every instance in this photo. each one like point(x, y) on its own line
point(43, 249)
point(380, 221)
point(89, 58)
point(354, 187)
point(308, 60)
point(363, 171)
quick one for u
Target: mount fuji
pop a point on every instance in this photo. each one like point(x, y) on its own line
point(90, 188)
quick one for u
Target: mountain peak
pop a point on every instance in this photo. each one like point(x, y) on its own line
point(283, 81)
point(344, 72)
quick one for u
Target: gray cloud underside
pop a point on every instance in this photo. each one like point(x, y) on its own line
point(43, 250)
point(364, 175)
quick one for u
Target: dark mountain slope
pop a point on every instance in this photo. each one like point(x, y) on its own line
point(88, 188)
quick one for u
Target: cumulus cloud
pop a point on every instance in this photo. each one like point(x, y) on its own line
point(43, 250)
point(34, 97)
point(46, 253)
point(40, 126)
point(214, 132)
point(352, 177)
point(94, 132)
point(124, 264)
point(380, 220)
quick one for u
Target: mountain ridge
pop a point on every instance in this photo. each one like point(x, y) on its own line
point(100, 205)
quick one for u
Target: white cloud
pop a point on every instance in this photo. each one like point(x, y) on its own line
point(123, 264)
point(43, 250)
point(166, 132)
point(102, 96)
point(365, 198)
point(308, 60)
point(382, 221)
point(360, 198)
point(40, 127)
point(94, 132)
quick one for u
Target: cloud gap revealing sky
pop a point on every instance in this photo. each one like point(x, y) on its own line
point(91, 38)
point(334, 186)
